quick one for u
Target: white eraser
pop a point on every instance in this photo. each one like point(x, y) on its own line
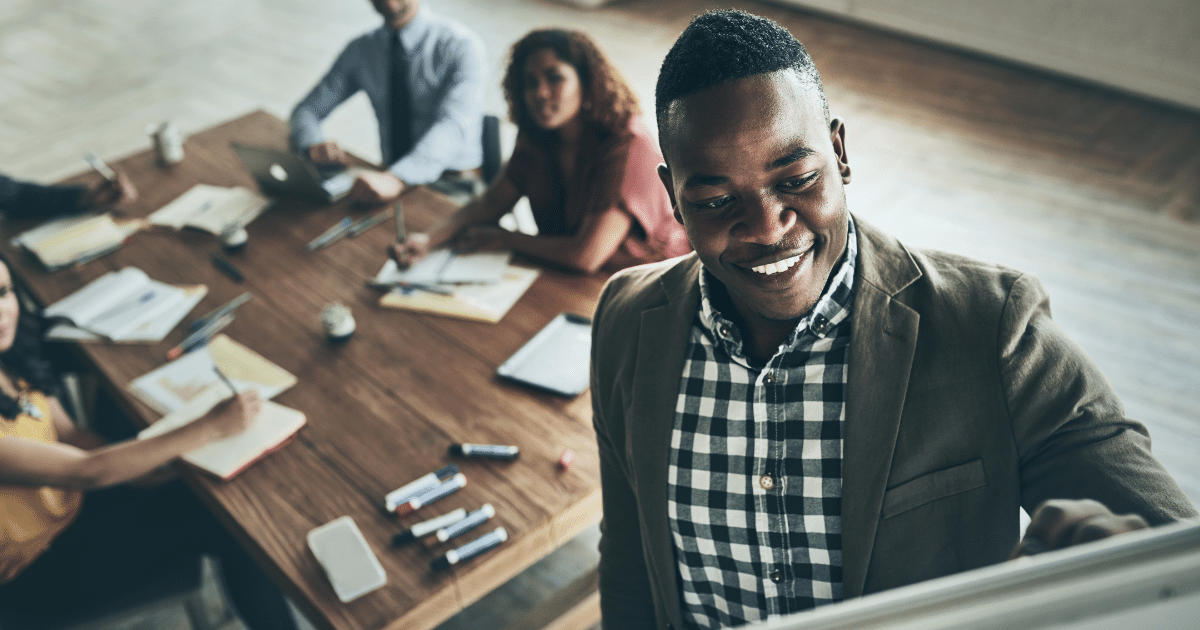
point(349, 562)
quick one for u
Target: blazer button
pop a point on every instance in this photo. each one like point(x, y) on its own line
point(766, 481)
point(777, 576)
point(724, 331)
point(769, 378)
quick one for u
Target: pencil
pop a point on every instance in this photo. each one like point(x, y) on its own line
point(225, 379)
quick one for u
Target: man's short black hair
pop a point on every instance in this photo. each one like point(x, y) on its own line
point(725, 45)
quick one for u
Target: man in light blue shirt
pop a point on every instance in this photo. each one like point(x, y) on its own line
point(443, 66)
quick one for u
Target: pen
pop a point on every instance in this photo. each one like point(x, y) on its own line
point(99, 166)
point(227, 267)
point(225, 379)
point(330, 235)
point(200, 337)
point(401, 231)
point(447, 488)
point(364, 224)
point(228, 307)
point(490, 451)
point(425, 528)
point(486, 542)
point(415, 487)
point(472, 520)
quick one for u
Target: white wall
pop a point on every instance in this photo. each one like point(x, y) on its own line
point(1150, 47)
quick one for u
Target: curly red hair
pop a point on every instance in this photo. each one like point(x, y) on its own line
point(612, 102)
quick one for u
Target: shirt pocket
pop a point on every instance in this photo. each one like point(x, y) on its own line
point(933, 486)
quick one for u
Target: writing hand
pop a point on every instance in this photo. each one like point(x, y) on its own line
point(376, 187)
point(411, 250)
point(1061, 523)
point(328, 153)
point(234, 416)
point(107, 193)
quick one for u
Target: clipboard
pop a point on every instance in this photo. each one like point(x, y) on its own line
point(557, 359)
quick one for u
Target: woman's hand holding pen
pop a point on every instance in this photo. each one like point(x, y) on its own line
point(109, 193)
point(233, 416)
point(415, 247)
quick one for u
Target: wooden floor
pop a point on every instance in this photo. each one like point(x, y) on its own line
point(1094, 191)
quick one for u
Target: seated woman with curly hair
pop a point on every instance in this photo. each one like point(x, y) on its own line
point(583, 158)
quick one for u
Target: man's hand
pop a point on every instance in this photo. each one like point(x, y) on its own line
point(482, 238)
point(107, 194)
point(327, 153)
point(410, 251)
point(374, 187)
point(1060, 523)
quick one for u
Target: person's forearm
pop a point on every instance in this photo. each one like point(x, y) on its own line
point(476, 212)
point(128, 460)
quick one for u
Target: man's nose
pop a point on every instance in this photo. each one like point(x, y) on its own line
point(765, 220)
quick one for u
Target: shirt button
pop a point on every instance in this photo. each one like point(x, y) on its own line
point(769, 378)
point(777, 576)
point(766, 481)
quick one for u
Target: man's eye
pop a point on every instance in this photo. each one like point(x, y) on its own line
point(712, 204)
point(800, 182)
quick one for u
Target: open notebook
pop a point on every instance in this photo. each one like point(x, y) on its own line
point(274, 427)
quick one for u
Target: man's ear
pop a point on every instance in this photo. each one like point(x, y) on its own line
point(837, 135)
point(664, 175)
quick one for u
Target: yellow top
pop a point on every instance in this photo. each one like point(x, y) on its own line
point(31, 517)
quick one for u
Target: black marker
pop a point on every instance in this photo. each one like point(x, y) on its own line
point(490, 451)
point(227, 267)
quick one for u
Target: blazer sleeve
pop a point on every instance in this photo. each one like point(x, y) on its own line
point(1072, 436)
point(625, 596)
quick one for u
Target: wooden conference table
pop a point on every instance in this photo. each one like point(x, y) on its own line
point(381, 408)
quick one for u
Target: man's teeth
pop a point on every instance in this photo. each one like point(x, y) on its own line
point(776, 267)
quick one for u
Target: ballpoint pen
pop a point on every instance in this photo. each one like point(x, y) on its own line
point(401, 231)
point(228, 307)
point(200, 337)
point(225, 379)
point(330, 235)
point(100, 167)
point(366, 223)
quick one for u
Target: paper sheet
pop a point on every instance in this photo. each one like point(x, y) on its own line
point(152, 331)
point(63, 242)
point(442, 266)
point(172, 385)
point(211, 208)
point(476, 302)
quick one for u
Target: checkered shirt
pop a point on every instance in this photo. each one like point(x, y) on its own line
point(755, 480)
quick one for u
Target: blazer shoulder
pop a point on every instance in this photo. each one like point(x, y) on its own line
point(646, 286)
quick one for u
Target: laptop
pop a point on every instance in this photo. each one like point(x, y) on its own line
point(285, 172)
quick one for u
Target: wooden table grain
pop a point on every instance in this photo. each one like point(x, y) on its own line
point(382, 408)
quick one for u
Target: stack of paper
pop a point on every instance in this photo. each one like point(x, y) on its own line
point(481, 286)
point(173, 385)
point(123, 305)
point(213, 209)
point(274, 426)
point(78, 239)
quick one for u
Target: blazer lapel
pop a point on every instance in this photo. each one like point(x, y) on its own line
point(883, 341)
point(662, 347)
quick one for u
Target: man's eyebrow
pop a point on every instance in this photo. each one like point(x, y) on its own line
point(794, 155)
point(704, 180)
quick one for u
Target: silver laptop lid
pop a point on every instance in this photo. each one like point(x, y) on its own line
point(288, 173)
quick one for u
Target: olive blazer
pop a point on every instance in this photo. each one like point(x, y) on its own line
point(964, 401)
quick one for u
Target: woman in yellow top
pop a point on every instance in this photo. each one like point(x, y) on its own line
point(60, 554)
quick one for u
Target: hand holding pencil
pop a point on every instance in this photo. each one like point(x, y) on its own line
point(114, 190)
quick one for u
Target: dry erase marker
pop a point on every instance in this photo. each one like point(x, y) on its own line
point(227, 267)
point(473, 520)
point(490, 451)
point(99, 166)
point(411, 489)
point(486, 542)
point(445, 489)
point(426, 528)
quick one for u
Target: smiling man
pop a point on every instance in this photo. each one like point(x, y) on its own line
point(805, 410)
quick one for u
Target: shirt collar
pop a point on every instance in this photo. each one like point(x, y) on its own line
point(831, 309)
point(412, 33)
